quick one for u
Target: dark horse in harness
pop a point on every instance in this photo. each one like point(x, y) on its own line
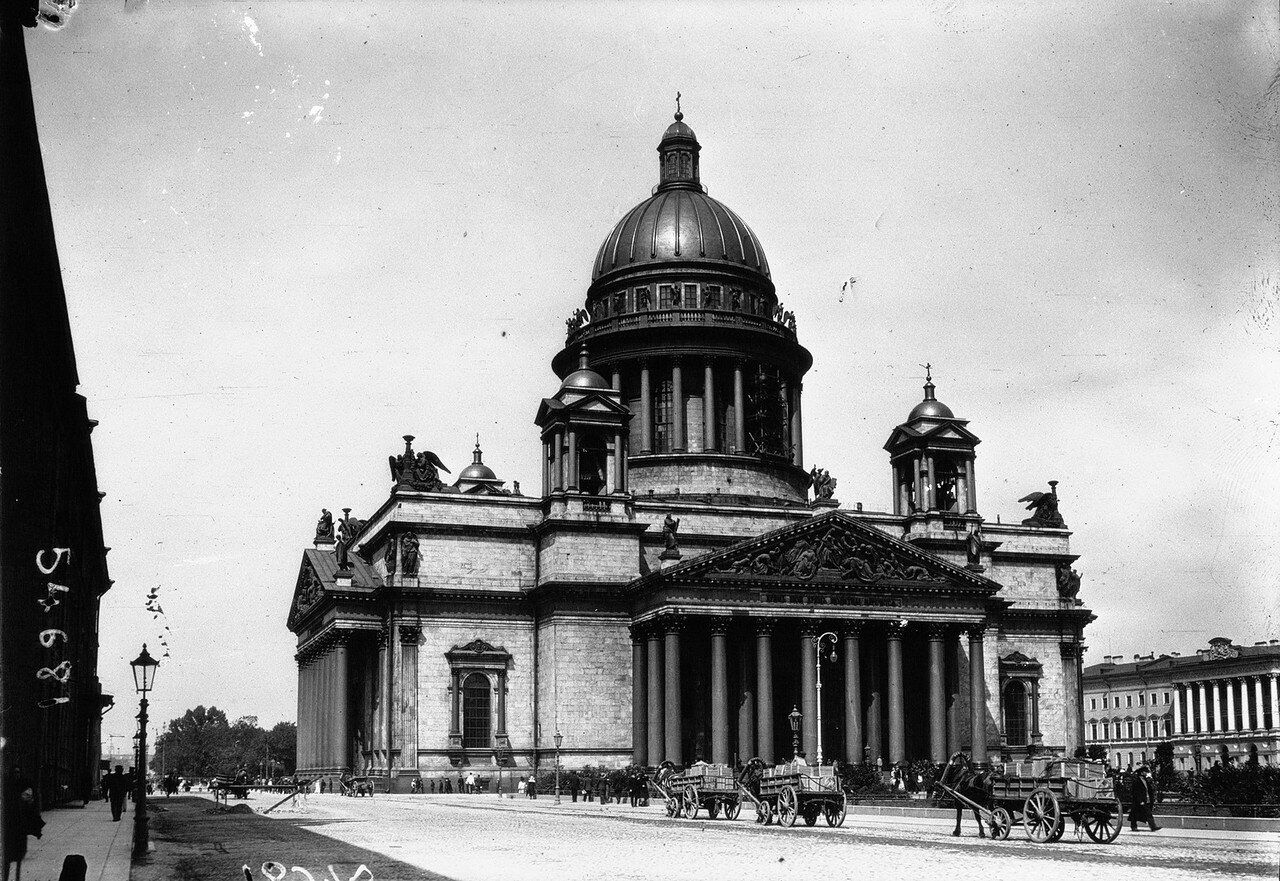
point(972, 782)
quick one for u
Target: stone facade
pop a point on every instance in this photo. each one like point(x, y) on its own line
point(666, 595)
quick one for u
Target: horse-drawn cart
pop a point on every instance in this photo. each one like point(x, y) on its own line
point(710, 788)
point(1042, 800)
point(796, 790)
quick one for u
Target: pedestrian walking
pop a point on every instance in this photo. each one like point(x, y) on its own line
point(21, 820)
point(1143, 793)
point(471, 784)
point(531, 787)
point(118, 787)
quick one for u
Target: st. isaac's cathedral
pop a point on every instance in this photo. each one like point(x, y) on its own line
point(672, 591)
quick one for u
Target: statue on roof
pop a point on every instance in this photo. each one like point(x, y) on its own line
point(973, 549)
point(1045, 506)
point(417, 470)
point(324, 527)
point(670, 525)
point(824, 485)
point(409, 554)
point(1068, 581)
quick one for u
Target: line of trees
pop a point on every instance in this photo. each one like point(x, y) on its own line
point(203, 743)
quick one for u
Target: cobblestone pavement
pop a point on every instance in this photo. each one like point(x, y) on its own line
point(486, 838)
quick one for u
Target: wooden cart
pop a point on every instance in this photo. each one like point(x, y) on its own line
point(710, 788)
point(1042, 802)
point(796, 790)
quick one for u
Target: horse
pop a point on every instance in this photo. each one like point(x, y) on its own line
point(972, 782)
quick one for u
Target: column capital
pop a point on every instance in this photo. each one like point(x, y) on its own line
point(410, 634)
point(719, 625)
point(937, 632)
point(810, 630)
point(1071, 650)
point(896, 629)
point(677, 360)
point(637, 632)
point(764, 626)
point(671, 623)
point(848, 629)
point(976, 632)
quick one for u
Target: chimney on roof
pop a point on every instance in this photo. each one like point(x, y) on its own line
point(1261, 642)
point(1137, 657)
point(1275, 642)
point(1175, 654)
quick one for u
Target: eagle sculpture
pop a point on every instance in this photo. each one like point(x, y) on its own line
point(1045, 506)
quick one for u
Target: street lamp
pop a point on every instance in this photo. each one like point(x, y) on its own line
point(794, 718)
point(559, 739)
point(818, 664)
point(144, 671)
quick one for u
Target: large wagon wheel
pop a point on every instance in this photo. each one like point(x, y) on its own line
point(788, 806)
point(764, 814)
point(1041, 815)
point(835, 812)
point(1059, 830)
point(732, 809)
point(1103, 824)
point(691, 802)
point(675, 806)
point(999, 824)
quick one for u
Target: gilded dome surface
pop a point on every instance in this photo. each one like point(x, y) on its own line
point(679, 224)
point(931, 410)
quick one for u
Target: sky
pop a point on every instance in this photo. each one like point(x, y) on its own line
point(292, 232)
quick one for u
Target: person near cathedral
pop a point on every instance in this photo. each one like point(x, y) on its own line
point(1144, 800)
point(117, 786)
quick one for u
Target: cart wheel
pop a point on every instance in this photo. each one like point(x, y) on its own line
point(788, 806)
point(763, 813)
point(1104, 827)
point(691, 802)
point(999, 824)
point(674, 807)
point(1041, 815)
point(732, 810)
point(713, 810)
point(835, 813)
point(1059, 830)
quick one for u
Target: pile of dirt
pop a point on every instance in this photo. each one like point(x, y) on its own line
point(241, 808)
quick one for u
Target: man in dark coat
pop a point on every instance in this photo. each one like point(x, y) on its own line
point(117, 786)
point(21, 819)
point(1144, 800)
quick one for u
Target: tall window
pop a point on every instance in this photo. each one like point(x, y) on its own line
point(476, 712)
point(1128, 700)
point(1104, 702)
point(1093, 731)
point(666, 293)
point(1142, 698)
point(1015, 712)
point(663, 417)
point(1093, 703)
point(593, 460)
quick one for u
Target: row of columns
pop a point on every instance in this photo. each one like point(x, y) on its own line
point(711, 442)
point(561, 456)
point(1188, 696)
point(921, 473)
point(657, 710)
point(322, 704)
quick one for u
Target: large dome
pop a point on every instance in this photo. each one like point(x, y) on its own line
point(679, 224)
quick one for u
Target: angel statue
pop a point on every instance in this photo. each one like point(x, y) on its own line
point(417, 470)
point(669, 527)
point(1045, 506)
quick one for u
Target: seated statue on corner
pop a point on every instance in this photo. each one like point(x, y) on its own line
point(324, 528)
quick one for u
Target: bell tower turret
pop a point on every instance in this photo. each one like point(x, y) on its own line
point(932, 456)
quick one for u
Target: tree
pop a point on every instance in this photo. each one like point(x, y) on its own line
point(282, 745)
point(195, 744)
point(1097, 751)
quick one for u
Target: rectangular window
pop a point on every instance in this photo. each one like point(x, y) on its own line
point(1142, 698)
point(1093, 703)
point(1142, 729)
point(641, 301)
point(1093, 731)
point(665, 294)
point(1129, 730)
point(662, 417)
point(1119, 733)
point(1166, 697)
point(1153, 698)
point(1104, 702)
point(1128, 700)
point(690, 300)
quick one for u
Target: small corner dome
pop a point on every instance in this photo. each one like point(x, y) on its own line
point(477, 471)
point(584, 377)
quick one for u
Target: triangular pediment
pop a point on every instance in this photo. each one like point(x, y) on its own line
point(554, 408)
point(308, 591)
point(832, 548)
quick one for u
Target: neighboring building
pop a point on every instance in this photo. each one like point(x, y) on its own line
point(1219, 704)
point(52, 559)
point(663, 594)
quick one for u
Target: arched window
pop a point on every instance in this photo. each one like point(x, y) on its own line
point(1015, 712)
point(593, 458)
point(476, 715)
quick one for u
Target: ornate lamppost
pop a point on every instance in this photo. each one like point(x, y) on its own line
point(794, 718)
point(818, 664)
point(144, 671)
point(559, 739)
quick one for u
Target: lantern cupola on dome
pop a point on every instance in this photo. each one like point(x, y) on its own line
point(932, 456)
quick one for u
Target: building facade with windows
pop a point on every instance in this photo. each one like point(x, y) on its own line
point(668, 591)
point(1218, 705)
